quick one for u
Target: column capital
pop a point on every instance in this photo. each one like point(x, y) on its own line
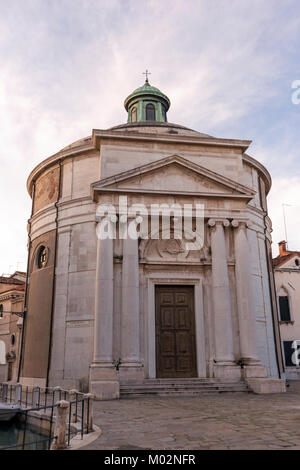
point(238, 223)
point(214, 222)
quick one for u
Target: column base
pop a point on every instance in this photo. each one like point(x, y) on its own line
point(105, 389)
point(254, 371)
point(265, 385)
point(104, 381)
point(227, 370)
point(131, 372)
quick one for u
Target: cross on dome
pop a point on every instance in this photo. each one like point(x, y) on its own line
point(147, 73)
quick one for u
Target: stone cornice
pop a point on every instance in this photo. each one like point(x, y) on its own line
point(50, 208)
point(99, 134)
point(256, 210)
point(294, 270)
point(178, 263)
point(174, 193)
point(45, 211)
point(11, 296)
point(261, 169)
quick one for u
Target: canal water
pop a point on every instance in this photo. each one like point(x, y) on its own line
point(12, 434)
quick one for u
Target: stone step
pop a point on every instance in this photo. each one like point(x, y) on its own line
point(192, 380)
point(163, 387)
point(181, 386)
point(181, 389)
point(135, 393)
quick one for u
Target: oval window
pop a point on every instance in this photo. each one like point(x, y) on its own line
point(42, 257)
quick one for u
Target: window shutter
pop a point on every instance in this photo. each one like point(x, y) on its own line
point(284, 308)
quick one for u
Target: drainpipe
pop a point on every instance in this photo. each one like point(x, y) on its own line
point(54, 276)
point(21, 358)
point(276, 329)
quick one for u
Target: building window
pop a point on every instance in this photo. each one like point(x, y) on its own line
point(284, 308)
point(297, 262)
point(42, 257)
point(292, 353)
point(134, 114)
point(12, 339)
point(164, 113)
point(1, 311)
point(150, 112)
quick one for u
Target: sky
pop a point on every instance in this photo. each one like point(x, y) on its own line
point(66, 67)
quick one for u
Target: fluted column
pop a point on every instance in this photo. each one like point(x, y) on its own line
point(130, 321)
point(103, 326)
point(221, 293)
point(243, 291)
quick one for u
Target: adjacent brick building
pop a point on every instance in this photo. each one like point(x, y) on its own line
point(12, 292)
point(287, 280)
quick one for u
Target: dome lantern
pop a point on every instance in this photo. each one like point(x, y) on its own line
point(147, 103)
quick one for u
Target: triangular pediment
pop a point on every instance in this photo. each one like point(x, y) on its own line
point(173, 175)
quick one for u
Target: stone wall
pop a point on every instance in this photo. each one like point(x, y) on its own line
point(39, 310)
point(46, 189)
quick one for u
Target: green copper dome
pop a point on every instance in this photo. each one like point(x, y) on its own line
point(147, 103)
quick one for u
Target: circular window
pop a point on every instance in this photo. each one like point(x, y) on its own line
point(12, 339)
point(42, 257)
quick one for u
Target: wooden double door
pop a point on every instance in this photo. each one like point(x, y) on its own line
point(175, 332)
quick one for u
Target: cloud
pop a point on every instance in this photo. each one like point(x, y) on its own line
point(285, 191)
point(66, 67)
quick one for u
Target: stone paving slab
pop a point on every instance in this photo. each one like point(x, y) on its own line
point(223, 421)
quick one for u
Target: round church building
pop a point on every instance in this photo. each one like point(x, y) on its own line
point(150, 263)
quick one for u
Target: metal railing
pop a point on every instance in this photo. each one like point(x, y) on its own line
point(64, 414)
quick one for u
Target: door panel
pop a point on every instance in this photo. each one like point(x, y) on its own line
point(175, 332)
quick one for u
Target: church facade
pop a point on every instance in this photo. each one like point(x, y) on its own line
point(104, 312)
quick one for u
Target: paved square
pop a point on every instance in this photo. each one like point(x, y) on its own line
point(223, 421)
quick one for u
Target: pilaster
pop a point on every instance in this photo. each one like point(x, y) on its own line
point(248, 345)
point(225, 365)
point(103, 375)
point(130, 366)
